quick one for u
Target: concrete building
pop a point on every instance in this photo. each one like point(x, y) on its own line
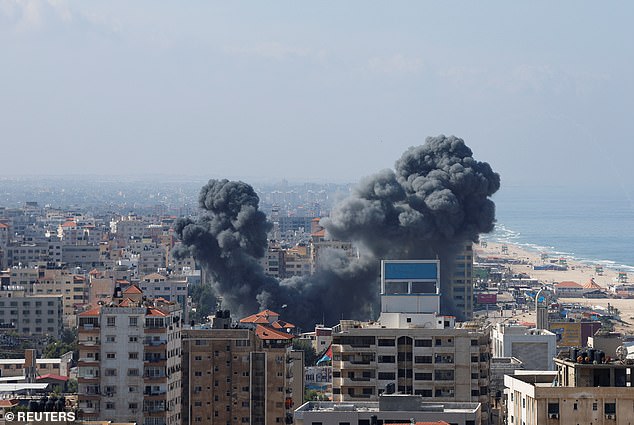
point(389, 409)
point(84, 256)
point(31, 315)
point(240, 375)
point(461, 287)
point(129, 367)
point(535, 348)
point(174, 289)
point(411, 348)
point(577, 393)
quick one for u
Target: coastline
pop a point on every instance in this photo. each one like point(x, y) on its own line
point(577, 271)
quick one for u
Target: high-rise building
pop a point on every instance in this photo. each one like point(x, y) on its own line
point(130, 361)
point(247, 374)
point(461, 289)
point(411, 349)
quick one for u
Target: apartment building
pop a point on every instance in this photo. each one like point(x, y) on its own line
point(242, 374)
point(173, 289)
point(130, 360)
point(31, 315)
point(411, 349)
point(535, 348)
point(585, 388)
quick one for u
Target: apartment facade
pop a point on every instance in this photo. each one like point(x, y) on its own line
point(240, 375)
point(31, 315)
point(411, 349)
point(129, 362)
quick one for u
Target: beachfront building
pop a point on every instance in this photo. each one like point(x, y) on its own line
point(569, 289)
point(129, 367)
point(535, 348)
point(389, 409)
point(576, 393)
point(411, 349)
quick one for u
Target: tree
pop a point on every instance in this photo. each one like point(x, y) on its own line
point(310, 355)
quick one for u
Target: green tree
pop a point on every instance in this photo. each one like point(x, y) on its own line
point(310, 355)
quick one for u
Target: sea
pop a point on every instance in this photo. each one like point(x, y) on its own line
point(593, 226)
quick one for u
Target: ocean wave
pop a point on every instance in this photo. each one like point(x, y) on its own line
point(504, 234)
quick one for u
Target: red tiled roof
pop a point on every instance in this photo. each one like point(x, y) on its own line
point(319, 234)
point(8, 403)
point(69, 224)
point(3, 226)
point(280, 324)
point(264, 332)
point(127, 303)
point(53, 376)
point(254, 318)
point(92, 312)
point(132, 289)
point(261, 317)
point(155, 312)
point(568, 284)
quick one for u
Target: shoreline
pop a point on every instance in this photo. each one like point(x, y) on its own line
point(533, 248)
point(578, 271)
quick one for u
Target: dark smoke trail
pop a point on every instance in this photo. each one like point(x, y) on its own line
point(435, 201)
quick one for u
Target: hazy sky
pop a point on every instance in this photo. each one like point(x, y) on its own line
point(326, 90)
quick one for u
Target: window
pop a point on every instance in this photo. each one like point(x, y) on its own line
point(133, 372)
point(423, 376)
point(386, 342)
point(595, 406)
point(133, 356)
point(553, 408)
point(110, 338)
point(422, 343)
point(110, 321)
point(133, 338)
point(422, 359)
point(574, 406)
point(111, 372)
point(133, 405)
point(109, 405)
point(133, 321)
point(111, 355)
point(387, 375)
point(609, 408)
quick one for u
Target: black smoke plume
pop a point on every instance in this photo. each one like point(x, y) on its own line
point(435, 201)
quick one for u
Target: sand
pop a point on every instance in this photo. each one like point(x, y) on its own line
point(577, 272)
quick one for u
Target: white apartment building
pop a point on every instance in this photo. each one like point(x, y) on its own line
point(129, 362)
point(535, 348)
point(411, 349)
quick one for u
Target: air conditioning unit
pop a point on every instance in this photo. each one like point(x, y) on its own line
point(553, 415)
point(612, 416)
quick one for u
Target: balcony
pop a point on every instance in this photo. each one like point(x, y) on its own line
point(356, 364)
point(354, 382)
point(155, 395)
point(87, 379)
point(89, 343)
point(153, 378)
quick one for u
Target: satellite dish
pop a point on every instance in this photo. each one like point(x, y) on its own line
point(621, 352)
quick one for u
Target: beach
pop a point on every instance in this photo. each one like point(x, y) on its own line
point(577, 272)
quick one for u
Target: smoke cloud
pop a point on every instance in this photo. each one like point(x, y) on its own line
point(435, 201)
